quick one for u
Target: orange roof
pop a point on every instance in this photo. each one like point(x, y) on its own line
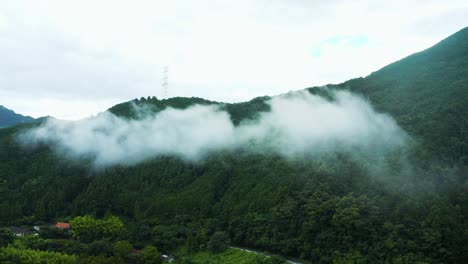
point(62, 225)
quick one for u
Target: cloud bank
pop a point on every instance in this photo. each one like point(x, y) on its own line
point(298, 124)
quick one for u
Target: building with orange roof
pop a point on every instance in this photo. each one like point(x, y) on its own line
point(62, 225)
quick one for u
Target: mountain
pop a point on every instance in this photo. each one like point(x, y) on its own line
point(427, 93)
point(10, 118)
point(339, 208)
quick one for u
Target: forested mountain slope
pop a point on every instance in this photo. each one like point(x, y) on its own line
point(10, 118)
point(427, 93)
point(335, 208)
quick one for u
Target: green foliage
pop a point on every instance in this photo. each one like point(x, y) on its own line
point(83, 259)
point(101, 248)
point(275, 259)
point(53, 232)
point(230, 256)
point(122, 248)
point(136, 108)
point(332, 209)
point(6, 237)
point(151, 255)
point(218, 242)
point(427, 94)
point(40, 211)
point(237, 111)
point(29, 256)
point(86, 228)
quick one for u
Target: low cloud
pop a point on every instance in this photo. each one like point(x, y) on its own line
point(298, 124)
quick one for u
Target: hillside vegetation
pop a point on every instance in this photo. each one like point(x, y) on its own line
point(327, 209)
point(427, 93)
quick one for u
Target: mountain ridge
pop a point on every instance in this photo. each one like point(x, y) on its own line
point(10, 118)
point(434, 80)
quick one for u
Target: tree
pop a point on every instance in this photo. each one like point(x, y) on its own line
point(151, 255)
point(84, 228)
point(6, 237)
point(218, 242)
point(101, 247)
point(87, 229)
point(122, 248)
point(137, 211)
point(110, 227)
point(40, 211)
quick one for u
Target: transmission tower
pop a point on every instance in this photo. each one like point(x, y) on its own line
point(165, 81)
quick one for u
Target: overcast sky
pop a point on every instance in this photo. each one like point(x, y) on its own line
point(73, 59)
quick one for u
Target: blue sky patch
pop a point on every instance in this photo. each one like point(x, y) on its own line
point(352, 41)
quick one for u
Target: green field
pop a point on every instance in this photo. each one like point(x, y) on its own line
point(230, 256)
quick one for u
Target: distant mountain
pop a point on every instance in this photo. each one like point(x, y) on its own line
point(10, 118)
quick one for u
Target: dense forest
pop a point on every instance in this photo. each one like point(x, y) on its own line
point(327, 209)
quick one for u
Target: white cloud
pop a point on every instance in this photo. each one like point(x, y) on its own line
point(91, 51)
point(298, 124)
